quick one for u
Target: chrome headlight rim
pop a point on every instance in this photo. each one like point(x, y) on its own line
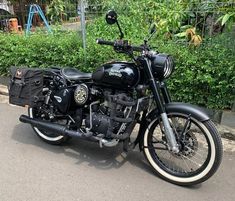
point(169, 67)
point(162, 66)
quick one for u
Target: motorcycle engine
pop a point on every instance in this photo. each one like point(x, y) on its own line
point(100, 123)
point(109, 116)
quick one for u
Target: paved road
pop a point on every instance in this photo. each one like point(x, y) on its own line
point(31, 170)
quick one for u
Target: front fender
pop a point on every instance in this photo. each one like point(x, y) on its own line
point(173, 107)
point(185, 108)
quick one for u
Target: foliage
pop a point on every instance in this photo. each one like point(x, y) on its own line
point(191, 36)
point(56, 10)
point(39, 50)
point(70, 8)
point(228, 18)
point(166, 15)
point(203, 75)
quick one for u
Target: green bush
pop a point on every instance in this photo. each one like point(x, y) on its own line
point(39, 50)
point(203, 76)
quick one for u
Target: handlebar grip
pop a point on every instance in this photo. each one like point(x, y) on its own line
point(103, 42)
point(111, 43)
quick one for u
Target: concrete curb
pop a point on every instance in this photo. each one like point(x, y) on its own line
point(3, 90)
point(226, 132)
point(4, 99)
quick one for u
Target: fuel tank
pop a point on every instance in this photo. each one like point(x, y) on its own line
point(122, 75)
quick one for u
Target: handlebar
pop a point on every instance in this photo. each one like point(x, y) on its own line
point(103, 42)
point(124, 45)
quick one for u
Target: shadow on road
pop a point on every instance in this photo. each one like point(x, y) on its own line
point(87, 152)
point(83, 151)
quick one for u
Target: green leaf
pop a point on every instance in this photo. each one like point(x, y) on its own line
point(180, 35)
point(225, 18)
point(219, 19)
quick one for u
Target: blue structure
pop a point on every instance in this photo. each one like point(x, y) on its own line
point(34, 8)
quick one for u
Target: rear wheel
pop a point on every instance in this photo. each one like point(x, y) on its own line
point(200, 149)
point(49, 137)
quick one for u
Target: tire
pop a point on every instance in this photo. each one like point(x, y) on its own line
point(187, 167)
point(47, 137)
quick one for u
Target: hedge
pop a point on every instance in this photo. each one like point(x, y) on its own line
point(203, 76)
point(39, 50)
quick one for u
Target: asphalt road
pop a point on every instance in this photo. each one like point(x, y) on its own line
point(31, 170)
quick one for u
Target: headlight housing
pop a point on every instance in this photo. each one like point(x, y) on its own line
point(162, 66)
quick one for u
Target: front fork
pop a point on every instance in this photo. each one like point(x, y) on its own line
point(156, 89)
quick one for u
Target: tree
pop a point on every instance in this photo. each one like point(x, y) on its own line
point(56, 10)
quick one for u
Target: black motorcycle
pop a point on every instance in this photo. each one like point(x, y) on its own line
point(179, 140)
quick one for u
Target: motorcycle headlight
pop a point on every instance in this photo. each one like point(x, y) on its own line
point(162, 66)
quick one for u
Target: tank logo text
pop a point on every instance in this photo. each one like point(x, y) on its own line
point(114, 72)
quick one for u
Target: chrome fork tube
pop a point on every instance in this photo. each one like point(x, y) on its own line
point(173, 146)
point(169, 134)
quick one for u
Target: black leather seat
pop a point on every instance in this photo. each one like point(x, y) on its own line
point(73, 74)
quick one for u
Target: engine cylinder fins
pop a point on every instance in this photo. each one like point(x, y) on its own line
point(122, 99)
point(122, 120)
point(125, 103)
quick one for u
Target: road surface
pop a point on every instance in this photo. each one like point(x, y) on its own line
point(31, 170)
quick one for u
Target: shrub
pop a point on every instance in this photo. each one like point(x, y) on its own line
point(203, 76)
point(39, 51)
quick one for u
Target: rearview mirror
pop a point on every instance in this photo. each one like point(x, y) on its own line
point(111, 17)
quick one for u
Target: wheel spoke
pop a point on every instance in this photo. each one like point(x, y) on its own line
point(186, 128)
point(152, 147)
point(156, 139)
point(196, 152)
point(185, 163)
point(198, 164)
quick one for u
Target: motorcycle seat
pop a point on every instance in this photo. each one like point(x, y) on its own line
point(74, 74)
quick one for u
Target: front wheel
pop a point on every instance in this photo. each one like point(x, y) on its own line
point(200, 149)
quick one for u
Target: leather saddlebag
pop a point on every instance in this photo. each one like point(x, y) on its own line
point(26, 86)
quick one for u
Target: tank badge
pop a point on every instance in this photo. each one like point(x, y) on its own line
point(114, 72)
point(59, 99)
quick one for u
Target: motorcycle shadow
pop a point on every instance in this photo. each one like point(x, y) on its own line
point(85, 152)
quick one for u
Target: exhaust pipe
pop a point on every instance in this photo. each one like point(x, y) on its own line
point(53, 127)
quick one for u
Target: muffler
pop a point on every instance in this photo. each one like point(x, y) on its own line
point(53, 127)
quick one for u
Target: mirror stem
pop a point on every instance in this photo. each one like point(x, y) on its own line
point(121, 33)
point(151, 36)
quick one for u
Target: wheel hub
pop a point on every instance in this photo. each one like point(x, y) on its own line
point(188, 146)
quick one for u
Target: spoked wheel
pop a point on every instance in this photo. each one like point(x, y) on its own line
point(200, 150)
point(49, 137)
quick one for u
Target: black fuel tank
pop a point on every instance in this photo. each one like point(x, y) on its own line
point(121, 75)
